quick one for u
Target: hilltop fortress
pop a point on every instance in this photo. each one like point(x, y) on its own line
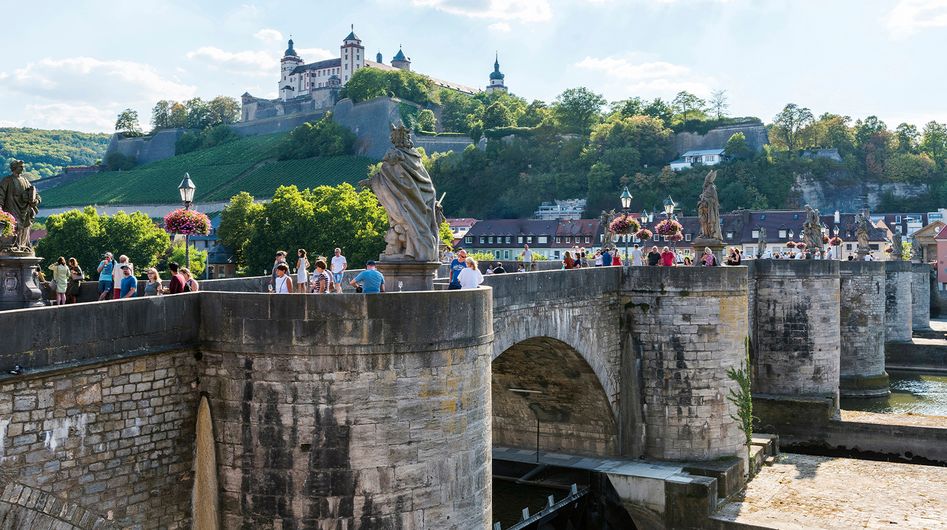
point(316, 86)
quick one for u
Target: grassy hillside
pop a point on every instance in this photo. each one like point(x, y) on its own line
point(248, 164)
point(46, 152)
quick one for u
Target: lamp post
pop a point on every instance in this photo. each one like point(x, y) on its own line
point(187, 197)
point(669, 205)
point(625, 198)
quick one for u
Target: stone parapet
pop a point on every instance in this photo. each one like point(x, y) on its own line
point(688, 326)
point(862, 318)
point(371, 410)
point(796, 335)
point(921, 297)
point(899, 279)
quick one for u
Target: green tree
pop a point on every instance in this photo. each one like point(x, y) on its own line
point(788, 125)
point(318, 220)
point(427, 121)
point(198, 113)
point(322, 138)
point(908, 167)
point(648, 136)
point(535, 114)
point(907, 136)
point(127, 123)
point(179, 116)
point(686, 103)
point(86, 235)
point(737, 148)
point(626, 108)
point(831, 131)
point(237, 222)
point(445, 234)
point(223, 110)
point(455, 107)
point(934, 142)
point(161, 115)
point(497, 115)
point(578, 109)
point(198, 262)
point(657, 108)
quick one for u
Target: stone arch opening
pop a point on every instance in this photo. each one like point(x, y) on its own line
point(545, 383)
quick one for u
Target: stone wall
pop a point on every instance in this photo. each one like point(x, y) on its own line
point(687, 327)
point(756, 138)
point(101, 424)
point(899, 278)
point(796, 334)
point(369, 410)
point(921, 297)
point(862, 318)
point(145, 149)
point(276, 124)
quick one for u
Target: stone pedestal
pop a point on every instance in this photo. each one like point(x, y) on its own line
point(18, 288)
point(413, 275)
point(715, 245)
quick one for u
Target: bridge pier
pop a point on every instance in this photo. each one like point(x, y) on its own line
point(862, 318)
point(899, 280)
point(921, 297)
point(688, 326)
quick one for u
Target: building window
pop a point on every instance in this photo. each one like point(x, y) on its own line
point(529, 239)
point(568, 239)
point(519, 239)
point(468, 240)
point(588, 239)
point(509, 239)
point(782, 234)
point(687, 237)
point(729, 235)
point(482, 240)
point(557, 254)
point(558, 240)
point(496, 254)
point(490, 240)
point(897, 218)
point(506, 254)
point(657, 237)
point(542, 240)
point(755, 234)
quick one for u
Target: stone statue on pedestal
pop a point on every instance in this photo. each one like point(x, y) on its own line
point(917, 253)
point(897, 246)
point(19, 199)
point(708, 210)
point(405, 189)
point(761, 243)
point(861, 233)
point(18, 263)
point(812, 229)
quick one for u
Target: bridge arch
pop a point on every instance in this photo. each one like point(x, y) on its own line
point(542, 384)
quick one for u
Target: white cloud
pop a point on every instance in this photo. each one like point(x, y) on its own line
point(910, 16)
point(646, 78)
point(500, 10)
point(315, 54)
point(79, 78)
point(268, 35)
point(84, 117)
point(248, 61)
point(502, 27)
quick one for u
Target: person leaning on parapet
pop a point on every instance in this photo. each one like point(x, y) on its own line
point(282, 284)
point(636, 257)
point(176, 285)
point(498, 268)
point(338, 264)
point(369, 280)
point(129, 285)
point(105, 276)
point(280, 258)
point(456, 265)
point(470, 277)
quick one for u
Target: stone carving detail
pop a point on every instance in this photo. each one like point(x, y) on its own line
point(20, 199)
point(861, 233)
point(406, 191)
point(812, 229)
point(708, 210)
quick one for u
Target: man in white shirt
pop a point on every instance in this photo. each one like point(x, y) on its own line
point(339, 264)
point(527, 258)
point(636, 258)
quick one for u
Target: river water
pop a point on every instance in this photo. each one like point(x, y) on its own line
point(911, 392)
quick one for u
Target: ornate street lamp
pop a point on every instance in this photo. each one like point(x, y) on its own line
point(187, 189)
point(669, 206)
point(625, 198)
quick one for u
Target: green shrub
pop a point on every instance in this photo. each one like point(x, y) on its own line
point(322, 138)
point(119, 162)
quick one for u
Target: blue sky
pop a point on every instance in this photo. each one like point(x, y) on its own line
point(77, 64)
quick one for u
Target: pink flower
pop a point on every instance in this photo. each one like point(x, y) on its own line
point(187, 222)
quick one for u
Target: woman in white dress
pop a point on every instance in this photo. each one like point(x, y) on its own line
point(282, 284)
point(302, 271)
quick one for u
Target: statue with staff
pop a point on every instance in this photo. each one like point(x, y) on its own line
point(21, 200)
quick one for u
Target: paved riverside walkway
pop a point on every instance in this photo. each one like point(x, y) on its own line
point(815, 492)
point(616, 466)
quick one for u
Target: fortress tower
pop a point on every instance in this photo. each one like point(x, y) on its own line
point(288, 63)
point(401, 61)
point(496, 78)
point(352, 55)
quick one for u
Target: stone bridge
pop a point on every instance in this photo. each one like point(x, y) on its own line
point(381, 410)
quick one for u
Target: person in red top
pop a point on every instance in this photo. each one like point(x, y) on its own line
point(177, 281)
point(668, 259)
point(616, 259)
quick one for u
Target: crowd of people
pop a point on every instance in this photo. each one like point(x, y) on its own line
point(324, 276)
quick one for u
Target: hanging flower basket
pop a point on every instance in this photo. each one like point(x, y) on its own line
point(668, 227)
point(644, 234)
point(801, 246)
point(836, 241)
point(825, 239)
point(790, 244)
point(187, 222)
point(624, 224)
point(7, 224)
point(675, 237)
